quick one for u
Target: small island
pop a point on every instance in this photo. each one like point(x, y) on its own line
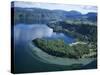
point(59, 48)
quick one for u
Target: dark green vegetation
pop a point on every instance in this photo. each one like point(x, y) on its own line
point(60, 49)
point(44, 16)
point(83, 27)
point(81, 30)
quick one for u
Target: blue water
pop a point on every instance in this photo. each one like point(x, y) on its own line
point(67, 38)
point(24, 62)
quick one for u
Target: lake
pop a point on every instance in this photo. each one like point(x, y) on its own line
point(31, 59)
point(67, 38)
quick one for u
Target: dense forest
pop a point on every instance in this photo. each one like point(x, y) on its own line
point(60, 49)
point(44, 16)
point(85, 32)
point(83, 27)
point(82, 31)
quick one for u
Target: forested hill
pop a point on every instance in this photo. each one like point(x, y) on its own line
point(43, 16)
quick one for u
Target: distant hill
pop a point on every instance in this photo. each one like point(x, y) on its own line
point(92, 16)
point(43, 16)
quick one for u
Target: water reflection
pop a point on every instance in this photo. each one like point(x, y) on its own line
point(23, 35)
point(30, 32)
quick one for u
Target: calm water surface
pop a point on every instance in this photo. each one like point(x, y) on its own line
point(24, 61)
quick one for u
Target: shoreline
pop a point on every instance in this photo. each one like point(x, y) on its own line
point(44, 57)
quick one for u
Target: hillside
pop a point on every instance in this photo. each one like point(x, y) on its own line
point(43, 16)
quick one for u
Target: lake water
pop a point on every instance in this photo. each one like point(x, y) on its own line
point(67, 38)
point(27, 60)
point(31, 32)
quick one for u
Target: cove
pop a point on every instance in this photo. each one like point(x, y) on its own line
point(30, 58)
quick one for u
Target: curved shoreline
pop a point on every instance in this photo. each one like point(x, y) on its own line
point(44, 57)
